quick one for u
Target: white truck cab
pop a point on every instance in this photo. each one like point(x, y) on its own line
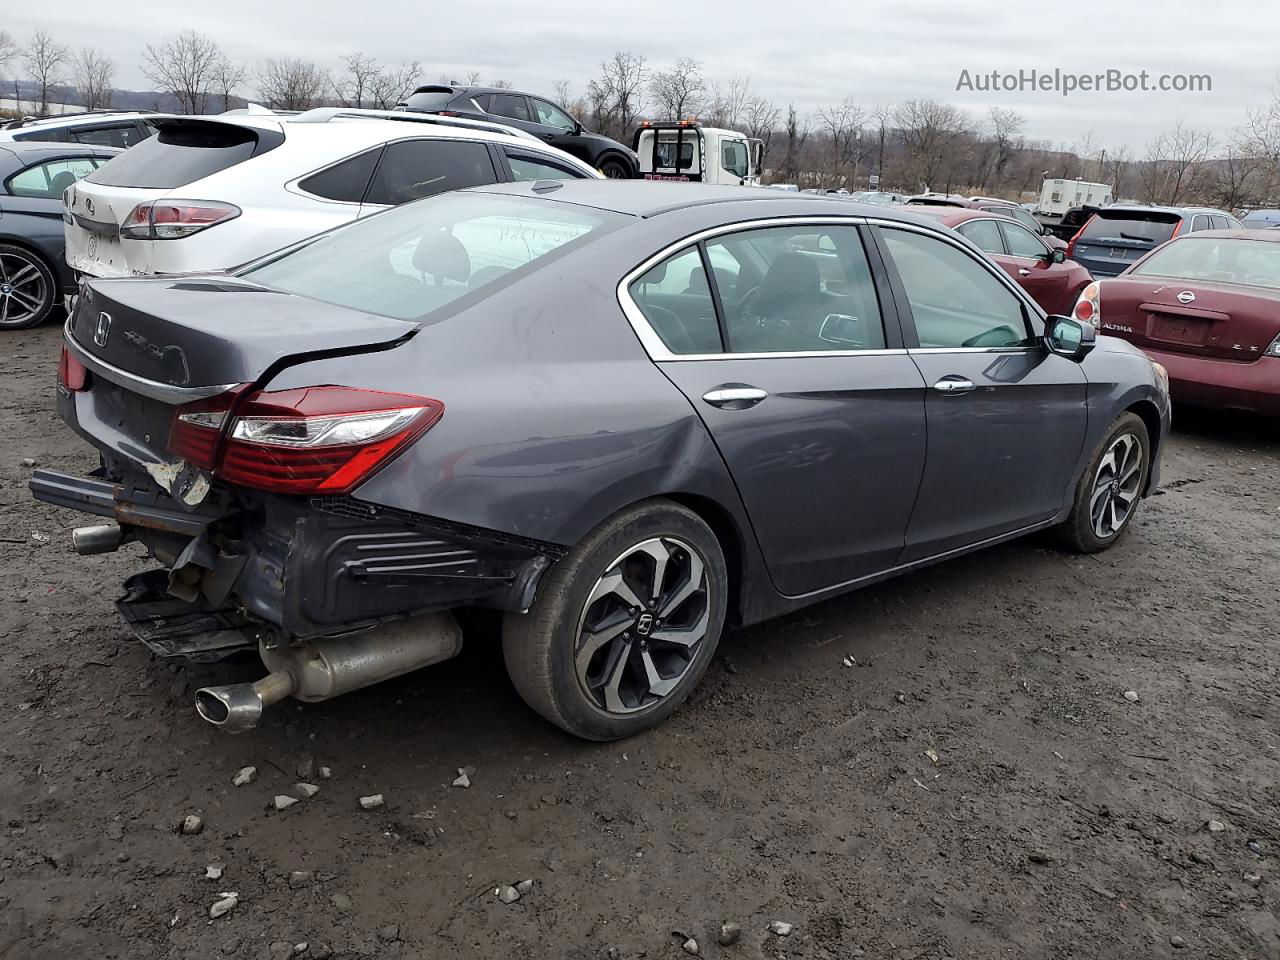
point(686, 150)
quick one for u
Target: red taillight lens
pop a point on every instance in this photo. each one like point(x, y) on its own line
point(309, 440)
point(173, 219)
point(1084, 310)
point(71, 372)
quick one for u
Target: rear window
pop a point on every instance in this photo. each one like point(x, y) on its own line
point(414, 260)
point(184, 151)
point(1255, 263)
point(1154, 227)
point(430, 99)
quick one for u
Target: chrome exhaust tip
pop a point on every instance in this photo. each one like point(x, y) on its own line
point(237, 707)
point(101, 538)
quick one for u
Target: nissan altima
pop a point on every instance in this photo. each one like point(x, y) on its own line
point(627, 415)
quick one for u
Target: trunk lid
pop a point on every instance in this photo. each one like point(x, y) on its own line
point(153, 344)
point(1222, 320)
point(1113, 239)
point(168, 165)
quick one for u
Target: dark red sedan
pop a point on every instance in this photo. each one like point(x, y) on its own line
point(1207, 307)
point(1053, 281)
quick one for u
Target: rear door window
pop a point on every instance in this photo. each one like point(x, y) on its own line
point(1140, 227)
point(549, 115)
point(1021, 241)
point(185, 151)
point(985, 234)
point(48, 180)
point(1200, 222)
point(1219, 223)
point(346, 181)
point(675, 298)
point(115, 135)
point(530, 166)
point(413, 169)
point(511, 105)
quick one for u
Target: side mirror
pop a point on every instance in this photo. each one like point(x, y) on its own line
point(1070, 338)
point(1057, 255)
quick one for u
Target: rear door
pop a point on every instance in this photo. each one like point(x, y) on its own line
point(513, 109)
point(1113, 239)
point(801, 379)
point(1034, 270)
point(1006, 419)
point(412, 169)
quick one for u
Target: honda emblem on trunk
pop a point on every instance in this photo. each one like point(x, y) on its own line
point(1186, 296)
point(102, 330)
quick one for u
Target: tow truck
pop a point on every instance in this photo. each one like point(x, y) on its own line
point(685, 150)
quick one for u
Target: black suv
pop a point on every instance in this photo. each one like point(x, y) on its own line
point(531, 113)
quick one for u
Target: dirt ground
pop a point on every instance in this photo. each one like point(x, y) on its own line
point(978, 785)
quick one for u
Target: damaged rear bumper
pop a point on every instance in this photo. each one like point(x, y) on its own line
point(241, 567)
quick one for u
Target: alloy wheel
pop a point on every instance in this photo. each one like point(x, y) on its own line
point(24, 291)
point(642, 625)
point(1115, 486)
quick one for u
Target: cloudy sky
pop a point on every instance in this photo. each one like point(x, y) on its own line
point(876, 51)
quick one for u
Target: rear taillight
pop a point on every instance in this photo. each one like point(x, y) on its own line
point(309, 440)
point(173, 219)
point(1088, 306)
point(71, 372)
point(1071, 244)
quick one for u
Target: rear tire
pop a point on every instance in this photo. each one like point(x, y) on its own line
point(1111, 487)
point(616, 169)
point(623, 628)
point(28, 288)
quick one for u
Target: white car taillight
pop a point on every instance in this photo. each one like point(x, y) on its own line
point(1088, 306)
point(174, 219)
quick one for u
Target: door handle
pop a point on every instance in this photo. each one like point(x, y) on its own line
point(954, 384)
point(1024, 272)
point(734, 398)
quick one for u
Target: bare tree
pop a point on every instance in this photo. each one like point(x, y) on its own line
point(226, 77)
point(797, 132)
point(1174, 166)
point(1006, 127)
point(183, 66)
point(292, 84)
point(728, 100)
point(563, 92)
point(929, 130)
point(882, 114)
point(1115, 170)
point(92, 71)
point(8, 49)
point(842, 123)
point(473, 78)
point(761, 118)
point(616, 94)
point(392, 85)
point(46, 60)
point(501, 84)
point(357, 79)
point(679, 92)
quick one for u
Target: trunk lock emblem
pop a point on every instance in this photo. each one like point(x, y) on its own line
point(102, 330)
point(1186, 296)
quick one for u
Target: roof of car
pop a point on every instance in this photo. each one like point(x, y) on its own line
point(1144, 208)
point(73, 119)
point(1265, 234)
point(650, 198)
point(949, 216)
point(30, 151)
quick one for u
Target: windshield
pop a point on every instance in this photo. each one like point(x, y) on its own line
point(1152, 227)
point(1224, 260)
point(415, 259)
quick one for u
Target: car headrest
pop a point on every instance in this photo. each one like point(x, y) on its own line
point(443, 256)
point(792, 278)
point(60, 183)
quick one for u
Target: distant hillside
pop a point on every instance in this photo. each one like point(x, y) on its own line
point(68, 98)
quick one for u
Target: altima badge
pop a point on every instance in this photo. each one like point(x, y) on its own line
point(102, 330)
point(1186, 296)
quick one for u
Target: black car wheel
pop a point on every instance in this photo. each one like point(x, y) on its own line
point(623, 627)
point(1109, 489)
point(28, 289)
point(615, 169)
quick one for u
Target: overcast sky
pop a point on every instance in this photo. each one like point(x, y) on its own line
point(806, 52)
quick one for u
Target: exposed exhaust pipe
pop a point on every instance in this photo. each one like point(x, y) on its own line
point(329, 666)
point(100, 538)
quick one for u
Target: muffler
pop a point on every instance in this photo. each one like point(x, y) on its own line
point(100, 538)
point(329, 666)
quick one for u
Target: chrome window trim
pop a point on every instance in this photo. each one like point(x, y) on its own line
point(659, 353)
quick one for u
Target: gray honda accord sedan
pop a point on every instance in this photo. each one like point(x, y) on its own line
point(629, 415)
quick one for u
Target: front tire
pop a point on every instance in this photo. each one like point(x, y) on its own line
point(623, 628)
point(28, 288)
point(1110, 488)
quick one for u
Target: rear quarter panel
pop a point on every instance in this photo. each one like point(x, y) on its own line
point(1121, 378)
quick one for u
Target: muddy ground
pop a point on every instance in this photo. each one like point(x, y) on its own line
point(976, 786)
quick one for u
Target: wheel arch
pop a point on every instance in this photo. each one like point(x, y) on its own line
point(612, 153)
point(1150, 416)
point(730, 537)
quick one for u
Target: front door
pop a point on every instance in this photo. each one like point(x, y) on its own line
point(1006, 419)
point(801, 381)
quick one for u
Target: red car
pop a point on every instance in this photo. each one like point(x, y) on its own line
point(1207, 306)
point(1053, 281)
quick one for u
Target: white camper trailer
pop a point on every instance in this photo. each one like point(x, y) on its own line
point(1059, 196)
